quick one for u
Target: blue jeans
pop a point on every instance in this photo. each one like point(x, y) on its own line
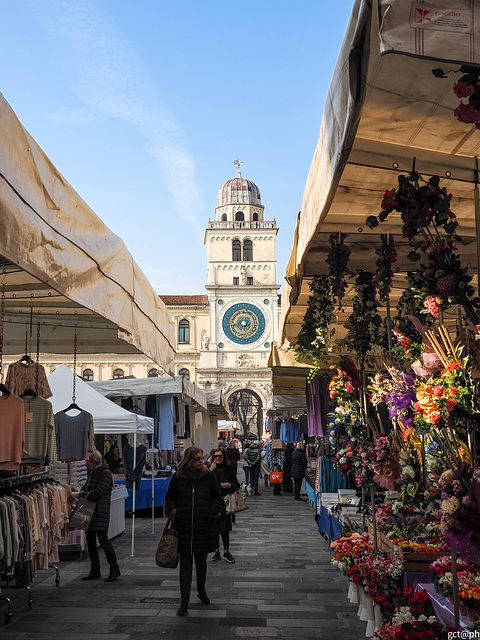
point(247, 475)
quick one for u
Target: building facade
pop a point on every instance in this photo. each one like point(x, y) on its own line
point(222, 338)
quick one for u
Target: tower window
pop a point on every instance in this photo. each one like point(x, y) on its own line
point(184, 332)
point(236, 251)
point(185, 373)
point(224, 217)
point(236, 281)
point(249, 280)
point(239, 216)
point(255, 217)
point(118, 373)
point(87, 375)
point(248, 250)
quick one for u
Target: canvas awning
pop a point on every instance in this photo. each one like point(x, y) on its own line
point(60, 263)
point(108, 417)
point(385, 108)
point(178, 386)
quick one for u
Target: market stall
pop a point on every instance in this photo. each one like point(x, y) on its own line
point(383, 287)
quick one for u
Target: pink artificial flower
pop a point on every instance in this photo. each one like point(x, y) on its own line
point(463, 90)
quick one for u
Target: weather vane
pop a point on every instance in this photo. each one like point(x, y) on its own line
point(238, 163)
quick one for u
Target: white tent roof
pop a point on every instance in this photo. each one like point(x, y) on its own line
point(385, 108)
point(59, 258)
point(108, 417)
point(178, 386)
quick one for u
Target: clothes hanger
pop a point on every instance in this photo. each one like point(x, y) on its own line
point(28, 393)
point(27, 359)
point(4, 390)
point(74, 405)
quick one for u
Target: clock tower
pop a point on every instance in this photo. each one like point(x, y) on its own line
point(242, 292)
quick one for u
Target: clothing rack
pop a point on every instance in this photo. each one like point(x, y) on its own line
point(25, 481)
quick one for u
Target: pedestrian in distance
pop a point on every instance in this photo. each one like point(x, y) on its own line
point(226, 476)
point(299, 466)
point(195, 495)
point(252, 457)
point(264, 468)
point(287, 468)
point(113, 459)
point(233, 454)
point(98, 489)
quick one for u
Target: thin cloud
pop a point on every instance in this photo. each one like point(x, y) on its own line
point(112, 80)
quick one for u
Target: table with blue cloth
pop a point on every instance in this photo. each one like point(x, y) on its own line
point(143, 496)
point(329, 524)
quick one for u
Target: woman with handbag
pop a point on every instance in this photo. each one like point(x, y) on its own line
point(226, 476)
point(98, 489)
point(196, 497)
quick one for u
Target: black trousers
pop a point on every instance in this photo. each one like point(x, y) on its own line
point(186, 570)
point(106, 545)
point(225, 540)
point(298, 485)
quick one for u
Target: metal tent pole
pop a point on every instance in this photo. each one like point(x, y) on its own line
point(134, 490)
point(476, 198)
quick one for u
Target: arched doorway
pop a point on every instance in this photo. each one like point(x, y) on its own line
point(246, 408)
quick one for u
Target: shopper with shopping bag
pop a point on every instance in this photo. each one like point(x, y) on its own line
point(226, 476)
point(196, 496)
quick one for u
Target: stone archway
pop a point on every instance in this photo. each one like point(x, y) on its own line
point(246, 408)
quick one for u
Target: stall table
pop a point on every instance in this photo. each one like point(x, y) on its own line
point(143, 497)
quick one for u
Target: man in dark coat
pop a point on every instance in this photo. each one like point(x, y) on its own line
point(252, 457)
point(287, 470)
point(98, 489)
point(299, 466)
point(195, 495)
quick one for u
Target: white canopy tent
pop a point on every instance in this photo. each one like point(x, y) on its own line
point(385, 108)
point(108, 417)
point(60, 263)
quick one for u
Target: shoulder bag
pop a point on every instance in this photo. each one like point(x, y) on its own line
point(167, 551)
point(235, 502)
point(82, 514)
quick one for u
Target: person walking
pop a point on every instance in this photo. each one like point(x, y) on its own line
point(252, 457)
point(299, 466)
point(233, 454)
point(226, 476)
point(195, 495)
point(287, 468)
point(98, 489)
point(264, 468)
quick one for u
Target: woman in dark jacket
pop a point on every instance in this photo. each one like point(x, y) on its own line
point(226, 477)
point(298, 466)
point(196, 497)
point(98, 489)
point(287, 468)
point(112, 458)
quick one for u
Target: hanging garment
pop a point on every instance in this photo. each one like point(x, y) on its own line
point(74, 435)
point(12, 429)
point(40, 441)
point(22, 376)
point(152, 460)
point(331, 480)
point(187, 432)
point(134, 475)
point(317, 398)
point(165, 422)
point(151, 407)
point(292, 431)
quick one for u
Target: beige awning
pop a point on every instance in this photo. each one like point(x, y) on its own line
point(384, 108)
point(61, 263)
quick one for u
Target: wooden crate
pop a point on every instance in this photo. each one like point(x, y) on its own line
point(384, 543)
point(417, 561)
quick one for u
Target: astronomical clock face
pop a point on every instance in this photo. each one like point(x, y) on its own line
point(243, 323)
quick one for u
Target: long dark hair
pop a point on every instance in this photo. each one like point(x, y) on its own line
point(226, 461)
point(190, 453)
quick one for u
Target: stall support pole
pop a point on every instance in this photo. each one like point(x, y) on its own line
point(374, 519)
point(363, 508)
point(476, 199)
point(134, 491)
point(389, 326)
point(424, 461)
point(153, 500)
point(455, 589)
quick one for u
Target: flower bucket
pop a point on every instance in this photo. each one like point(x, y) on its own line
point(473, 614)
point(463, 609)
point(450, 597)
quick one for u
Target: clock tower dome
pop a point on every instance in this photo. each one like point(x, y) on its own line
point(242, 292)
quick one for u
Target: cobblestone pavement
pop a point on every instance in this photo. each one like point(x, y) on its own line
point(281, 586)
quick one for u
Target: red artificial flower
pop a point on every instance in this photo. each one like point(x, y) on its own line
point(462, 89)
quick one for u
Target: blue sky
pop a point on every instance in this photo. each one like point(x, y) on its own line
point(144, 104)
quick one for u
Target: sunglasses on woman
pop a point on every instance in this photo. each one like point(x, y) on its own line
point(218, 456)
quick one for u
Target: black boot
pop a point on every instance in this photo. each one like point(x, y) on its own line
point(93, 575)
point(114, 574)
point(202, 596)
point(182, 609)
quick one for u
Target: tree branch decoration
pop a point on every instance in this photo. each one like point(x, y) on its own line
point(338, 259)
point(315, 334)
point(467, 87)
point(387, 255)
